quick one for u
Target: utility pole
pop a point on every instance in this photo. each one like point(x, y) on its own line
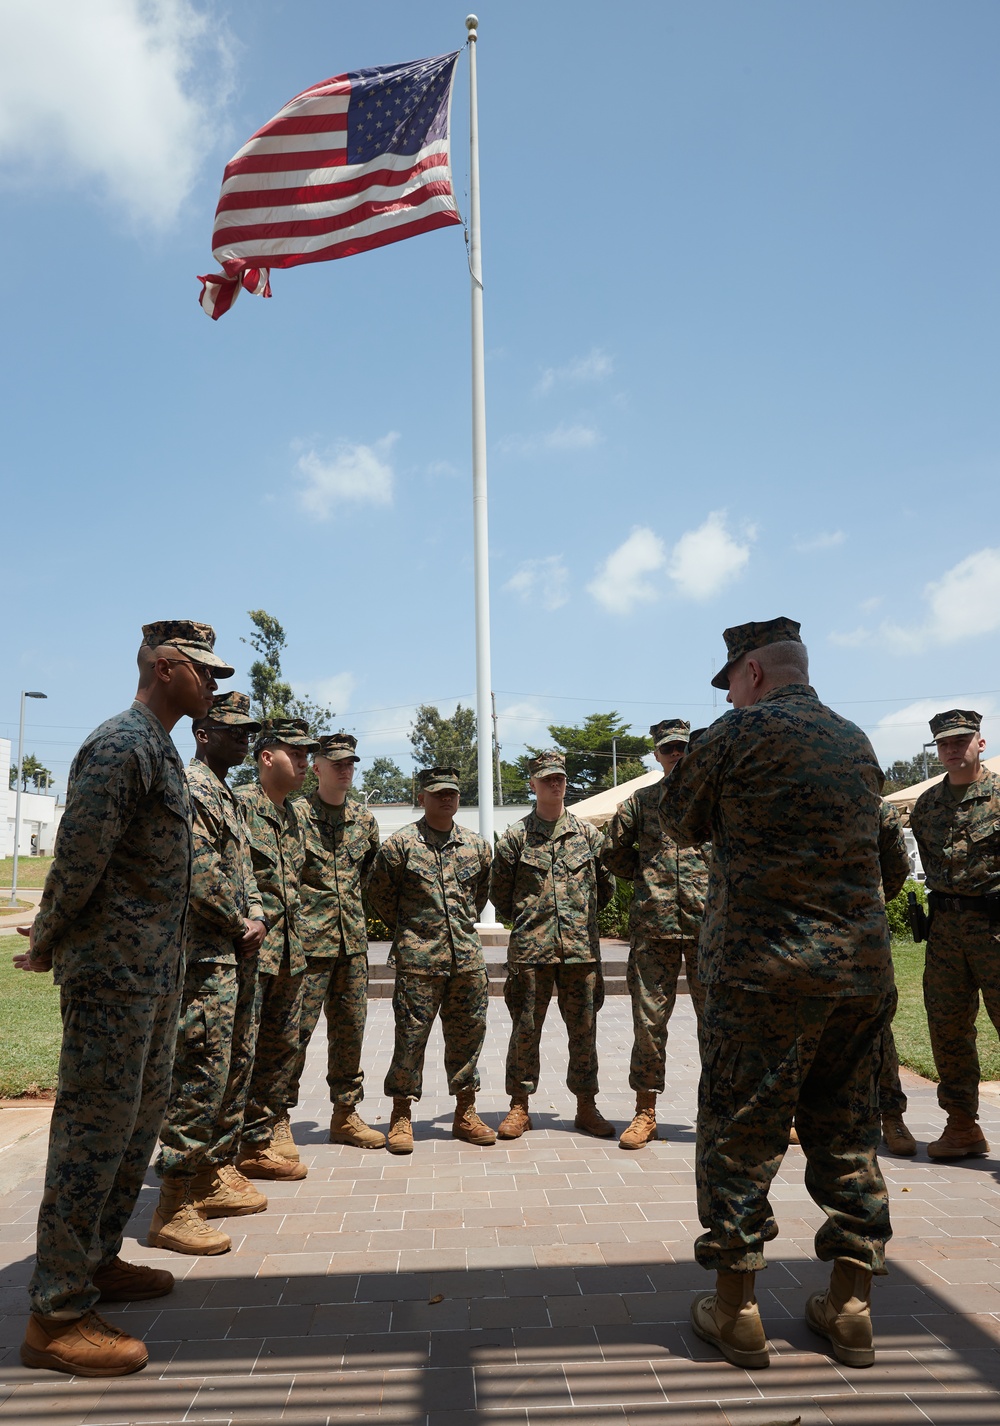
point(614, 762)
point(496, 745)
point(17, 800)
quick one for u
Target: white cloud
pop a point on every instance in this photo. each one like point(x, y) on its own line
point(705, 560)
point(442, 468)
point(522, 725)
point(829, 540)
point(347, 475)
point(901, 734)
point(595, 366)
point(542, 581)
point(868, 606)
point(101, 93)
point(334, 691)
point(561, 438)
point(620, 583)
point(963, 604)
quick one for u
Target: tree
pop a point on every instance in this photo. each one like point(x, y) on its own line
point(589, 755)
point(904, 772)
point(31, 770)
point(448, 742)
point(270, 695)
point(514, 783)
point(388, 781)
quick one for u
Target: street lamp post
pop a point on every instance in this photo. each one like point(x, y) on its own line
point(17, 801)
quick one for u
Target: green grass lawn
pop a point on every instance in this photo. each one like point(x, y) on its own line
point(31, 871)
point(30, 1029)
point(910, 1025)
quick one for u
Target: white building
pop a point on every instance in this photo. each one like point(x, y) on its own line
point(40, 815)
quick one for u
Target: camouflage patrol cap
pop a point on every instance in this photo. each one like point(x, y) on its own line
point(744, 638)
point(955, 721)
point(438, 779)
point(337, 748)
point(548, 764)
point(233, 711)
point(293, 732)
point(670, 730)
point(187, 637)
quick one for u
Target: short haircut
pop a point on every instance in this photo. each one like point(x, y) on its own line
point(790, 654)
point(146, 660)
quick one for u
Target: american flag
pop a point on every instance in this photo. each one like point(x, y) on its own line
point(352, 163)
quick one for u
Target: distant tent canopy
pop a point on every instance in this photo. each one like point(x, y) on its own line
point(600, 808)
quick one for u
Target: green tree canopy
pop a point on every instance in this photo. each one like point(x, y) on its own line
point(904, 772)
point(587, 746)
point(31, 771)
point(270, 695)
point(386, 779)
point(448, 742)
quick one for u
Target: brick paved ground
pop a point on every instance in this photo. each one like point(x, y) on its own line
point(564, 1272)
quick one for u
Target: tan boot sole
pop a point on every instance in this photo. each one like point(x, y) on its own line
point(355, 1143)
point(479, 1141)
point(160, 1240)
point(514, 1133)
point(608, 1133)
point(739, 1358)
point(220, 1211)
point(33, 1357)
point(972, 1152)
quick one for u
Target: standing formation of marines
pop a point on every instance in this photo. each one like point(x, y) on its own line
point(197, 934)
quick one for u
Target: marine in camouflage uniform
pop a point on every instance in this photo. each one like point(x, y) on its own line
point(218, 1019)
point(341, 839)
point(429, 883)
point(797, 971)
point(548, 881)
point(277, 851)
point(956, 824)
point(668, 902)
point(111, 928)
point(894, 863)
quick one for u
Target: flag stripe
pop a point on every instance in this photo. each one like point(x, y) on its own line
point(249, 235)
point(339, 173)
point(363, 238)
point(251, 205)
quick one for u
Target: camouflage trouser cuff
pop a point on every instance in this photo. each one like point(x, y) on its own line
point(732, 1260)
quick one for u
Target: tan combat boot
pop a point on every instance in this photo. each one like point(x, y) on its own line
point(261, 1161)
point(590, 1119)
point(282, 1142)
point(86, 1346)
point(468, 1125)
point(962, 1138)
point(517, 1119)
point(843, 1314)
point(131, 1282)
point(225, 1193)
point(348, 1127)
point(896, 1136)
point(178, 1226)
point(400, 1139)
point(643, 1127)
point(729, 1319)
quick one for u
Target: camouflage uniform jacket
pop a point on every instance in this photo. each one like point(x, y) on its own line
point(551, 889)
point(959, 842)
point(224, 894)
point(340, 847)
point(115, 900)
point(788, 793)
point(669, 881)
point(277, 852)
point(893, 857)
point(431, 897)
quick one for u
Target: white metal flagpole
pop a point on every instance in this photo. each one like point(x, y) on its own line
point(480, 526)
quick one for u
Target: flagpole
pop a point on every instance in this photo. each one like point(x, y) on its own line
point(480, 529)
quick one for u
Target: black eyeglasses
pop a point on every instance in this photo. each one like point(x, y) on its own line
point(202, 670)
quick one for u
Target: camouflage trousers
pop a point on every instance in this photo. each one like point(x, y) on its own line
point(766, 1060)
point(277, 1051)
point(114, 1078)
point(963, 960)
point(212, 1067)
point(462, 1001)
point(651, 976)
point(891, 1098)
point(338, 987)
point(527, 992)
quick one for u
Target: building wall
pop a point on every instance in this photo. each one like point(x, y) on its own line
point(39, 814)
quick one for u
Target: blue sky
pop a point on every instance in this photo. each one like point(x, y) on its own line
point(741, 313)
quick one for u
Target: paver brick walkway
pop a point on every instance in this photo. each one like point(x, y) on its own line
point(541, 1282)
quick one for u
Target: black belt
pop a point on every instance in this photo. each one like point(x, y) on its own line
point(985, 905)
